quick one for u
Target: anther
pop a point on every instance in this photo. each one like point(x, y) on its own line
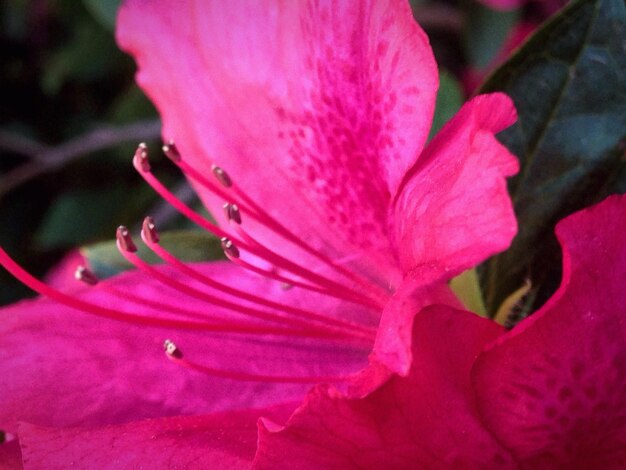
point(221, 176)
point(124, 239)
point(285, 286)
point(171, 151)
point(149, 230)
point(140, 159)
point(172, 350)
point(85, 275)
point(231, 211)
point(229, 248)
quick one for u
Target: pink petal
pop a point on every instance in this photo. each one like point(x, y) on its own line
point(64, 368)
point(453, 210)
point(10, 455)
point(394, 338)
point(316, 109)
point(225, 441)
point(554, 390)
point(62, 277)
point(426, 420)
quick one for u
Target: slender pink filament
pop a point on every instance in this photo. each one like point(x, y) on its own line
point(195, 274)
point(255, 248)
point(315, 330)
point(92, 309)
point(271, 274)
point(260, 215)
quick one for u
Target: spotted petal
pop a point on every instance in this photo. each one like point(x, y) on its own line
point(315, 108)
point(554, 390)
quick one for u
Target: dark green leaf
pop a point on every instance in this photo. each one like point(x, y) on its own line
point(569, 86)
point(486, 32)
point(187, 245)
point(104, 11)
point(449, 100)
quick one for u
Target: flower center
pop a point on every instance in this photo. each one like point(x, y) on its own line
point(255, 315)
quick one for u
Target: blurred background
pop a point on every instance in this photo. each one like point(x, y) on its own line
point(71, 117)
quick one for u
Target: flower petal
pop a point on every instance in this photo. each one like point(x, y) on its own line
point(554, 389)
point(315, 109)
point(393, 346)
point(10, 455)
point(225, 440)
point(453, 209)
point(69, 368)
point(425, 420)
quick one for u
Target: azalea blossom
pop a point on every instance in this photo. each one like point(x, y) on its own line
point(551, 393)
point(548, 394)
point(302, 126)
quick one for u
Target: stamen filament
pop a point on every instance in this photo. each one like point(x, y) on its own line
point(279, 261)
point(92, 309)
point(315, 330)
point(260, 215)
point(149, 234)
point(141, 164)
point(295, 283)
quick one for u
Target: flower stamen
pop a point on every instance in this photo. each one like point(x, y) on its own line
point(131, 257)
point(149, 233)
point(256, 212)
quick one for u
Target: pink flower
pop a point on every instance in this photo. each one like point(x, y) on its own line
point(309, 120)
point(549, 394)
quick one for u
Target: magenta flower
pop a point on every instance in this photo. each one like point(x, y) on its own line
point(549, 394)
point(302, 126)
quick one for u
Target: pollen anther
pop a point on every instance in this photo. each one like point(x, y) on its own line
point(172, 350)
point(221, 176)
point(171, 151)
point(229, 248)
point(231, 211)
point(85, 275)
point(149, 230)
point(140, 159)
point(124, 240)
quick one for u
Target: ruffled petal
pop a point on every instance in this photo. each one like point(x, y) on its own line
point(393, 346)
point(453, 209)
point(554, 389)
point(65, 368)
point(315, 109)
point(225, 441)
point(425, 420)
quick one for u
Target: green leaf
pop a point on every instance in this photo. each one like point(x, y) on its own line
point(449, 100)
point(486, 32)
point(467, 288)
point(187, 245)
point(78, 215)
point(569, 86)
point(104, 11)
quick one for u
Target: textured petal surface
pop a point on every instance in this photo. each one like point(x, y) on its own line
point(453, 210)
point(69, 368)
point(425, 420)
point(225, 441)
point(315, 108)
point(554, 390)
